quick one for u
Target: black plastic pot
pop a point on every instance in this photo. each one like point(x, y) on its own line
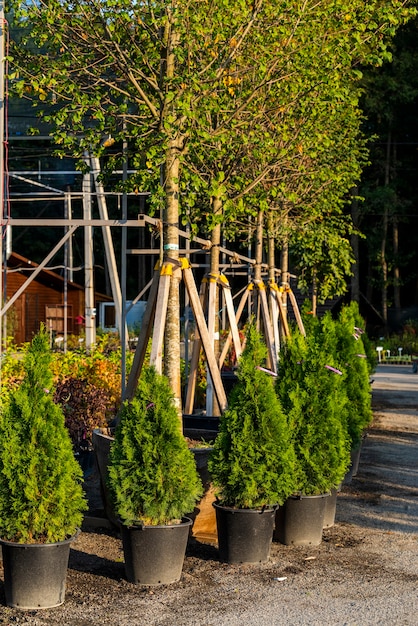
point(355, 458)
point(300, 520)
point(355, 462)
point(102, 443)
point(35, 574)
point(229, 379)
point(330, 509)
point(154, 555)
point(244, 535)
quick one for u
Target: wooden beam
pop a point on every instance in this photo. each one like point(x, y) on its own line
point(194, 362)
point(233, 324)
point(211, 315)
point(277, 293)
point(144, 335)
point(274, 314)
point(268, 331)
point(204, 335)
point(237, 319)
point(296, 311)
point(156, 357)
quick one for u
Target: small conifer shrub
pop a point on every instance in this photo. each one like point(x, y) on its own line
point(312, 391)
point(152, 474)
point(252, 463)
point(41, 496)
point(353, 354)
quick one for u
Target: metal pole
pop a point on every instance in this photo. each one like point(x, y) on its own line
point(65, 329)
point(68, 216)
point(90, 313)
point(108, 242)
point(123, 328)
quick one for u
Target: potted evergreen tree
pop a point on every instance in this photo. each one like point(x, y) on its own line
point(353, 351)
point(252, 463)
point(153, 482)
point(312, 391)
point(41, 496)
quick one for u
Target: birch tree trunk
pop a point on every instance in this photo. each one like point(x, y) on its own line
point(212, 406)
point(171, 250)
point(258, 260)
point(271, 250)
point(175, 146)
point(258, 246)
point(284, 268)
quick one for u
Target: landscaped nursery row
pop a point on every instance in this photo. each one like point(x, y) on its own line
point(285, 439)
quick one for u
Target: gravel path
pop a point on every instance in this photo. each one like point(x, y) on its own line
point(365, 572)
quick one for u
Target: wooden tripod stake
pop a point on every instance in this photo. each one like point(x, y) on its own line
point(155, 315)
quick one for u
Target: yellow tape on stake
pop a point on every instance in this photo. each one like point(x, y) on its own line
point(185, 263)
point(167, 269)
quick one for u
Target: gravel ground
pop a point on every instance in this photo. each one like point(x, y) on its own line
point(365, 572)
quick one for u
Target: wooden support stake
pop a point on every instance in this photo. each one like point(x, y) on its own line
point(268, 331)
point(233, 324)
point(204, 335)
point(144, 335)
point(282, 312)
point(238, 314)
point(296, 311)
point(194, 362)
point(211, 309)
point(274, 314)
point(156, 357)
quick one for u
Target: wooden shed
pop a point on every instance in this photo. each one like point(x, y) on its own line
point(43, 301)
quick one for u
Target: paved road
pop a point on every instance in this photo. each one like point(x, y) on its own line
point(388, 474)
point(395, 397)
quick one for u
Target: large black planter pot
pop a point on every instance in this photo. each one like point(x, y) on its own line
point(330, 508)
point(300, 520)
point(154, 555)
point(244, 535)
point(35, 574)
point(102, 442)
point(355, 461)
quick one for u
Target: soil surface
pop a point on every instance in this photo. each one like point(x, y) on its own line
point(364, 572)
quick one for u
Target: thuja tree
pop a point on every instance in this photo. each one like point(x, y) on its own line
point(311, 389)
point(252, 463)
point(152, 474)
point(41, 497)
point(353, 358)
point(361, 333)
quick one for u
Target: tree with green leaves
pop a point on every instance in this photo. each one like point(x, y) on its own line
point(353, 357)
point(387, 186)
point(136, 72)
point(210, 100)
point(296, 148)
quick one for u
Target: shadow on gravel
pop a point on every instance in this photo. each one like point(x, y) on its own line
point(93, 564)
point(203, 551)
